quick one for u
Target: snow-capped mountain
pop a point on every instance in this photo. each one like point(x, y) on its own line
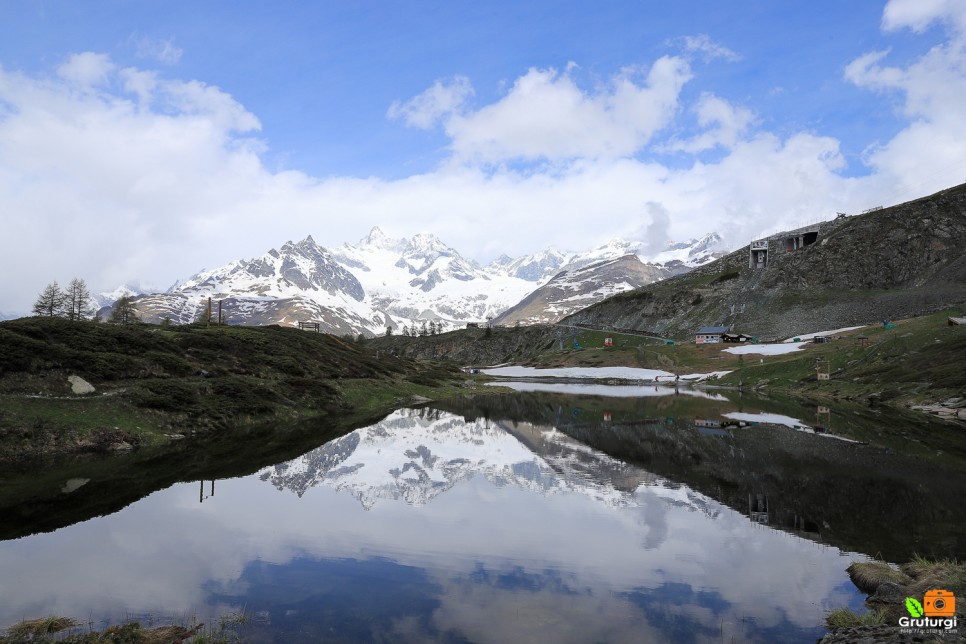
point(689, 254)
point(414, 455)
point(576, 288)
point(424, 279)
point(384, 282)
point(106, 298)
point(299, 281)
point(533, 268)
point(607, 270)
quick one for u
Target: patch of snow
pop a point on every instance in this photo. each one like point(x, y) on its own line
point(809, 336)
point(608, 391)
point(696, 377)
point(768, 349)
point(622, 373)
point(774, 419)
point(597, 373)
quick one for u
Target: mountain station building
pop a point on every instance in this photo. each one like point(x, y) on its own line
point(710, 334)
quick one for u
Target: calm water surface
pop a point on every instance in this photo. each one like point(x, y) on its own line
point(567, 515)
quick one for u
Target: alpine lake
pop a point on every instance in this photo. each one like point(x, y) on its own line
point(555, 513)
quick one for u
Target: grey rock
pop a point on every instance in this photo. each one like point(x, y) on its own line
point(889, 593)
point(80, 386)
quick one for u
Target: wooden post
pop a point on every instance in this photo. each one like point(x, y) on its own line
point(208, 320)
point(219, 312)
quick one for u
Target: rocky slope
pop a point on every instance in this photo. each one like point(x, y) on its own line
point(889, 263)
point(577, 288)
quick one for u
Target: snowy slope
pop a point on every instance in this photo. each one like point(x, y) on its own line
point(384, 282)
point(424, 279)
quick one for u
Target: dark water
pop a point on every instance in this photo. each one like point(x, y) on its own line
point(624, 515)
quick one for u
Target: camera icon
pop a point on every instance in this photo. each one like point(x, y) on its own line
point(939, 603)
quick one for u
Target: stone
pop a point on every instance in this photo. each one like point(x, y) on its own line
point(122, 446)
point(80, 386)
point(889, 593)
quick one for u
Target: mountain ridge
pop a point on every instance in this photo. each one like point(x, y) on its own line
point(382, 282)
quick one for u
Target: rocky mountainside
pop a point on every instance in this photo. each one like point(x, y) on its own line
point(300, 281)
point(577, 288)
point(383, 282)
point(884, 264)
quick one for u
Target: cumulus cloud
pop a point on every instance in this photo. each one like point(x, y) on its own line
point(723, 124)
point(546, 116)
point(930, 92)
point(87, 69)
point(918, 15)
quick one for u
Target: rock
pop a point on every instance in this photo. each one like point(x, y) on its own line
point(122, 446)
point(174, 437)
point(80, 386)
point(955, 403)
point(889, 593)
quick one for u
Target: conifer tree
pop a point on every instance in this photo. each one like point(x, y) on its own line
point(77, 301)
point(124, 311)
point(50, 302)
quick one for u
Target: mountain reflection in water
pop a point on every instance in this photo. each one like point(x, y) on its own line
point(532, 516)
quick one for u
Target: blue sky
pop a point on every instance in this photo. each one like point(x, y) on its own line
point(149, 140)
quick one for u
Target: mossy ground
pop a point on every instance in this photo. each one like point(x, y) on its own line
point(911, 580)
point(152, 382)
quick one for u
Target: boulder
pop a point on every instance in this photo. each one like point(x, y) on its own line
point(80, 386)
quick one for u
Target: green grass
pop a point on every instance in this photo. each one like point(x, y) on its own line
point(152, 380)
point(845, 618)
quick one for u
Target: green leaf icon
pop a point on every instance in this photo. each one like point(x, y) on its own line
point(914, 607)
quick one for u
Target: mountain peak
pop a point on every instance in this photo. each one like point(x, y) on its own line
point(378, 239)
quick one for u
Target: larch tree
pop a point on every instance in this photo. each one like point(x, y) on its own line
point(77, 301)
point(50, 303)
point(124, 311)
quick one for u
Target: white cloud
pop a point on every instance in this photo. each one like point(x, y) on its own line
point(440, 100)
point(86, 69)
point(704, 45)
point(930, 152)
point(723, 125)
point(918, 15)
point(159, 49)
point(546, 116)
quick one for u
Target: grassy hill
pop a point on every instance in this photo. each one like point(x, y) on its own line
point(891, 263)
point(153, 383)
